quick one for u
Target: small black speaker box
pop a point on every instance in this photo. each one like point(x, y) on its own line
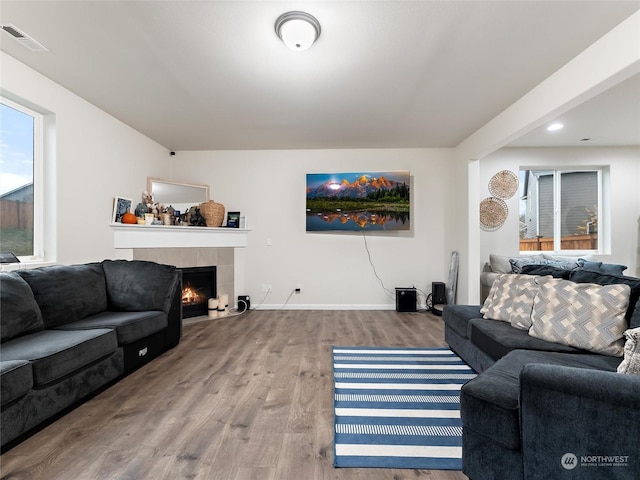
point(406, 300)
point(438, 293)
point(244, 303)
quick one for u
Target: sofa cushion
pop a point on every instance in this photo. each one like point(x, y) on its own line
point(584, 276)
point(138, 285)
point(497, 339)
point(501, 263)
point(16, 379)
point(67, 293)
point(489, 404)
point(129, 326)
point(631, 362)
point(582, 315)
point(56, 353)
point(457, 317)
point(19, 312)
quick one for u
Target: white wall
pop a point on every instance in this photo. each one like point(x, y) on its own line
point(333, 269)
point(95, 158)
point(638, 231)
point(624, 163)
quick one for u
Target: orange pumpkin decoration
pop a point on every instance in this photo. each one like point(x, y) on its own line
point(129, 218)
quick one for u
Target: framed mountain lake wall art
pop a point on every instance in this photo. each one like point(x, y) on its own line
point(356, 201)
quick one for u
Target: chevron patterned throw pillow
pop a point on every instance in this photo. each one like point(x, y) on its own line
point(582, 315)
point(511, 299)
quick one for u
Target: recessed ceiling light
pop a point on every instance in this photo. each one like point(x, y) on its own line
point(554, 126)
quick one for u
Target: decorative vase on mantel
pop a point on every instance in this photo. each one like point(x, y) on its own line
point(213, 213)
point(141, 209)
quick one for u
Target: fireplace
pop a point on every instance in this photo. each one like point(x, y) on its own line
point(198, 286)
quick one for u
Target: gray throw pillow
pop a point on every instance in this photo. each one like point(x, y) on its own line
point(631, 363)
point(599, 267)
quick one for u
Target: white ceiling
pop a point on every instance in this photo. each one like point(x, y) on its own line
point(611, 118)
point(207, 75)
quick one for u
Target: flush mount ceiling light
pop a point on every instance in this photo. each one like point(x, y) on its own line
point(298, 30)
point(554, 127)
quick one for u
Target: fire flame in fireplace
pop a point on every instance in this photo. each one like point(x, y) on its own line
point(190, 296)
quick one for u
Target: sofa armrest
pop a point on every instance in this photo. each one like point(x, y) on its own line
point(174, 317)
point(486, 280)
point(579, 423)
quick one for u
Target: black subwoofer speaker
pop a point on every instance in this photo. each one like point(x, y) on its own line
point(406, 300)
point(244, 303)
point(438, 293)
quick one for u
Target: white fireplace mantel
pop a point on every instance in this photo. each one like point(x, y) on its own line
point(170, 236)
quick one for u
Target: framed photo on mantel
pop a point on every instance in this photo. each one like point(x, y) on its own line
point(121, 206)
point(233, 219)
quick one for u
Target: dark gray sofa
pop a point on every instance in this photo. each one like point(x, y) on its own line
point(541, 410)
point(69, 331)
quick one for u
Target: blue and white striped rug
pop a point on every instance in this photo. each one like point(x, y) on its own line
point(398, 407)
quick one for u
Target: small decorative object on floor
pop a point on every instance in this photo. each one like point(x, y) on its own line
point(452, 284)
point(398, 407)
point(212, 308)
point(213, 213)
point(223, 302)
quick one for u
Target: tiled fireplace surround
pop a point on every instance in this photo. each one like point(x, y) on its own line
point(222, 258)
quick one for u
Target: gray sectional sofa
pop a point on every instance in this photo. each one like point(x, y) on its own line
point(541, 409)
point(69, 331)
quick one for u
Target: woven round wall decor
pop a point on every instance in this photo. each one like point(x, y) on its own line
point(503, 184)
point(493, 213)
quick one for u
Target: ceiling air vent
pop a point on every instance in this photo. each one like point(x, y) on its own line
point(24, 39)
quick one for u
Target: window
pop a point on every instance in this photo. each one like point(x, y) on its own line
point(21, 144)
point(559, 210)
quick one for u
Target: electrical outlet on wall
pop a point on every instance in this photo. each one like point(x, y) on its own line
point(298, 289)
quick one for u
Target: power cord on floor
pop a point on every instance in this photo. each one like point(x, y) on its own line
point(263, 299)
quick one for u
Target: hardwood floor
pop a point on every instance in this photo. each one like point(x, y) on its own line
point(241, 398)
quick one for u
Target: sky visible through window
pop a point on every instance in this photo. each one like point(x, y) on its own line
point(16, 149)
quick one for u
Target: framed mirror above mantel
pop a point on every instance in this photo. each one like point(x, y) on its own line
point(179, 195)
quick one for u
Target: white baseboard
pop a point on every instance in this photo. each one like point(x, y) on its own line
point(323, 306)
